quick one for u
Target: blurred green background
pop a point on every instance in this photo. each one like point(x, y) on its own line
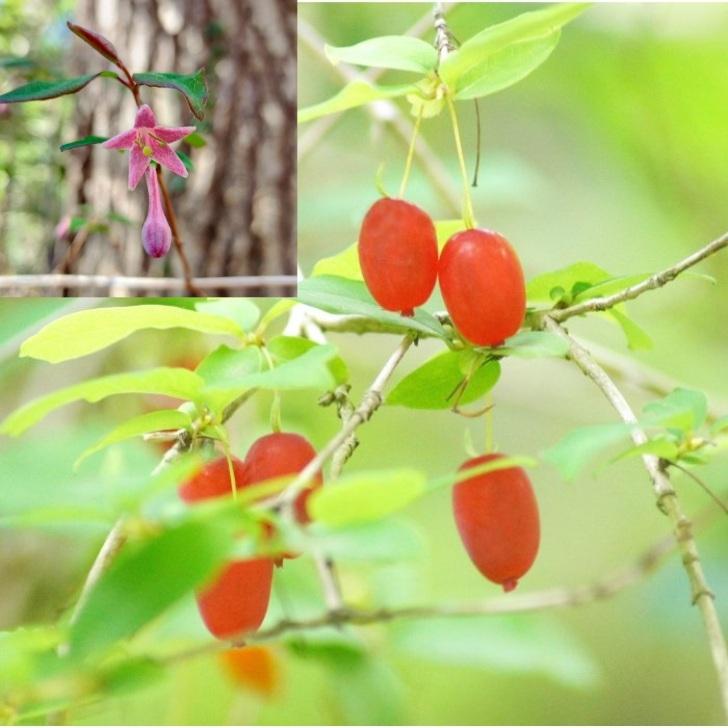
point(614, 151)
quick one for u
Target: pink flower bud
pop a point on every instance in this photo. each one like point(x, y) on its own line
point(60, 232)
point(156, 233)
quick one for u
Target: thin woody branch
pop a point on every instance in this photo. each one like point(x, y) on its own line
point(654, 281)
point(558, 598)
point(668, 502)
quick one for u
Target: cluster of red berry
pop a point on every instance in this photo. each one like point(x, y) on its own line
point(484, 291)
point(236, 601)
point(480, 275)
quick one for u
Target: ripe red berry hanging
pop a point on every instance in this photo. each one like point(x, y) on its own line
point(236, 600)
point(497, 516)
point(482, 284)
point(398, 255)
point(280, 454)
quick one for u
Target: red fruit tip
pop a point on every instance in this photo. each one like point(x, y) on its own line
point(509, 585)
point(409, 313)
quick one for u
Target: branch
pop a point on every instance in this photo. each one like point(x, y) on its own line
point(131, 283)
point(654, 281)
point(387, 112)
point(619, 580)
point(668, 503)
point(371, 401)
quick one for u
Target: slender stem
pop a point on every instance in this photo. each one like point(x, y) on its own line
point(468, 214)
point(488, 422)
point(669, 504)
point(657, 280)
point(275, 410)
point(370, 403)
point(192, 289)
point(410, 155)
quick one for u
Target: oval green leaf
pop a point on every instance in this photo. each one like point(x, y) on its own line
point(173, 382)
point(41, 90)
point(192, 86)
point(86, 332)
point(366, 496)
point(398, 52)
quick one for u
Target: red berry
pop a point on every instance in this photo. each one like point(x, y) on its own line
point(497, 516)
point(280, 454)
point(483, 287)
point(398, 255)
point(213, 480)
point(237, 600)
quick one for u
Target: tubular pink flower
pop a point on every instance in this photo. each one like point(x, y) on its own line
point(148, 142)
point(156, 233)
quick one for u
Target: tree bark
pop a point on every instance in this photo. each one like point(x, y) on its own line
point(237, 208)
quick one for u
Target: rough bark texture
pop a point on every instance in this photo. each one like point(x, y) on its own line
point(237, 210)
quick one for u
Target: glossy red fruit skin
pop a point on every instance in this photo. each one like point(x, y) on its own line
point(236, 601)
point(497, 516)
point(280, 454)
point(482, 284)
point(213, 480)
point(398, 255)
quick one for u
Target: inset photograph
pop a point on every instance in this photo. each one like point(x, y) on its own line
point(147, 148)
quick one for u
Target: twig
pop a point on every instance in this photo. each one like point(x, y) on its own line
point(388, 112)
point(371, 401)
point(52, 280)
point(668, 502)
point(654, 281)
point(192, 289)
point(617, 581)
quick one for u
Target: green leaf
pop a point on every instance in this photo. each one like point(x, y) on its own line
point(41, 90)
point(577, 275)
point(365, 496)
point(432, 385)
point(224, 369)
point(720, 425)
point(532, 344)
point(188, 163)
point(278, 309)
point(173, 382)
point(398, 52)
point(145, 580)
point(196, 140)
point(86, 332)
point(356, 93)
point(530, 645)
point(637, 337)
point(344, 265)
point(506, 67)
point(660, 446)
point(85, 142)
point(462, 68)
point(193, 87)
point(571, 454)
point(380, 541)
point(343, 296)
point(287, 348)
point(683, 409)
point(135, 427)
point(240, 310)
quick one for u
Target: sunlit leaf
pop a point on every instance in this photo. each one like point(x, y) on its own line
point(287, 348)
point(86, 332)
point(240, 310)
point(399, 52)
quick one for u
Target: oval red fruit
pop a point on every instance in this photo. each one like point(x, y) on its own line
point(236, 601)
point(497, 516)
point(483, 287)
point(398, 255)
point(280, 454)
point(213, 480)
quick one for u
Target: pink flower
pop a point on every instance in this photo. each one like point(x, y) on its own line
point(148, 142)
point(156, 233)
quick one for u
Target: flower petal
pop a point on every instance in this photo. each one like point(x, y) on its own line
point(167, 158)
point(145, 117)
point(121, 141)
point(171, 134)
point(138, 165)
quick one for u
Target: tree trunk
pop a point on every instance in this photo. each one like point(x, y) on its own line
point(237, 208)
